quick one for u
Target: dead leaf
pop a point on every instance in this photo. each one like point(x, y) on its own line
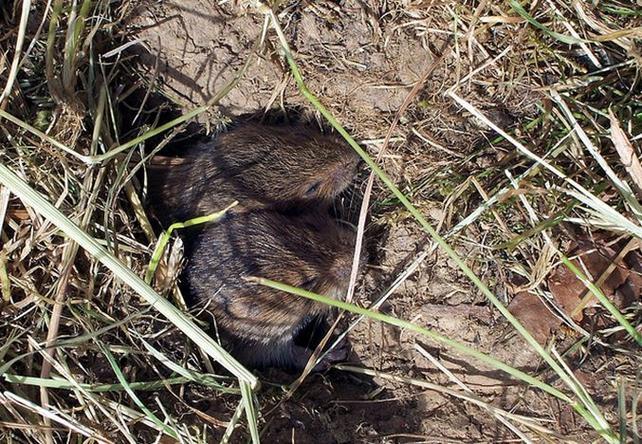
point(621, 283)
point(18, 214)
point(534, 316)
point(568, 290)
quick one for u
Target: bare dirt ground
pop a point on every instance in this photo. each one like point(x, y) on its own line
point(362, 64)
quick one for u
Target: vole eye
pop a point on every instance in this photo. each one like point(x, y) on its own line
point(313, 189)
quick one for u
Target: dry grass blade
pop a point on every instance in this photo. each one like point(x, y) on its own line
point(500, 417)
point(577, 191)
point(15, 65)
point(55, 416)
point(621, 186)
point(626, 151)
point(79, 389)
point(526, 421)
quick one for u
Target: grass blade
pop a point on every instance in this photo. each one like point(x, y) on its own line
point(586, 411)
point(164, 239)
point(15, 64)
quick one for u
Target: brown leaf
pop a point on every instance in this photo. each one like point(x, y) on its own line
point(631, 291)
point(534, 315)
point(568, 290)
point(19, 214)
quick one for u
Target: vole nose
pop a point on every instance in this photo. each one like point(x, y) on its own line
point(343, 270)
point(342, 177)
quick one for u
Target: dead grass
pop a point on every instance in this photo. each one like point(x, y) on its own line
point(81, 354)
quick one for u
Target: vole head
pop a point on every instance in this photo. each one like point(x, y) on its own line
point(287, 165)
point(311, 250)
point(321, 252)
point(308, 250)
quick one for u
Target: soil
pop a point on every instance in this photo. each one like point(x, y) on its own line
point(362, 65)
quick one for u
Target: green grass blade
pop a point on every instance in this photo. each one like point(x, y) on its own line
point(63, 384)
point(250, 411)
point(141, 405)
point(595, 420)
point(603, 300)
point(164, 239)
point(378, 316)
point(234, 420)
point(569, 40)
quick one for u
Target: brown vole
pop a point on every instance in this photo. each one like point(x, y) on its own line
point(262, 327)
point(261, 166)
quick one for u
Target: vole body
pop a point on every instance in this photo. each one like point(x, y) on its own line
point(262, 326)
point(261, 166)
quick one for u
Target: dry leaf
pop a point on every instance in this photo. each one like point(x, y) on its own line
point(623, 285)
point(534, 315)
point(568, 290)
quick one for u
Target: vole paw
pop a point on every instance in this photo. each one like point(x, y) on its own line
point(338, 354)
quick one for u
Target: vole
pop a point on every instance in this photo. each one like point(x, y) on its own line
point(261, 166)
point(262, 327)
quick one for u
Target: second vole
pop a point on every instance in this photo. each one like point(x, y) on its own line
point(259, 325)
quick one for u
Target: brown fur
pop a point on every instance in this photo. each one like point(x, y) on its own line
point(260, 166)
point(258, 323)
